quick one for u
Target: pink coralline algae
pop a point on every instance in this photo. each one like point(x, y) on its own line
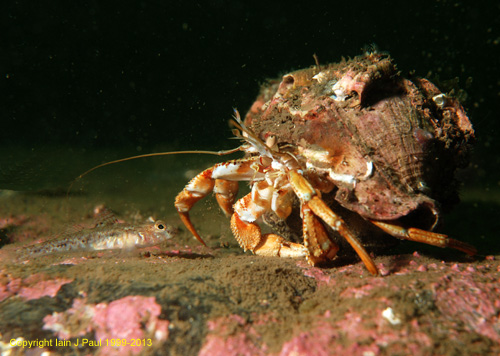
point(318, 274)
point(33, 287)
point(11, 221)
point(385, 316)
point(324, 343)
point(352, 335)
point(129, 318)
point(472, 302)
point(243, 342)
point(364, 290)
point(24, 228)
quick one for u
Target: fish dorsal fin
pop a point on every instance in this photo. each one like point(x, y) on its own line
point(72, 229)
point(104, 216)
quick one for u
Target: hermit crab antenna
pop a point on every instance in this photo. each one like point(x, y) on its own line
point(248, 136)
point(216, 153)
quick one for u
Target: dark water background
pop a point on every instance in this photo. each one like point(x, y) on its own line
point(82, 79)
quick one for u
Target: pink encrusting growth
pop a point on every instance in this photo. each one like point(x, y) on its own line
point(130, 318)
point(358, 334)
point(12, 221)
point(241, 343)
point(318, 274)
point(34, 287)
point(22, 228)
point(354, 334)
point(464, 298)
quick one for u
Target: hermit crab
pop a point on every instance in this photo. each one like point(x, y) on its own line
point(381, 147)
point(354, 147)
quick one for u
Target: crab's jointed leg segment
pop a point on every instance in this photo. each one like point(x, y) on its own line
point(248, 234)
point(225, 193)
point(316, 239)
point(427, 237)
point(214, 178)
point(250, 238)
point(309, 198)
point(199, 187)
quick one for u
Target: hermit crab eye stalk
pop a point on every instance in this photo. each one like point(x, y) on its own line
point(256, 144)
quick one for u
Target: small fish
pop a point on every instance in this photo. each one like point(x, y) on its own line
point(107, 233)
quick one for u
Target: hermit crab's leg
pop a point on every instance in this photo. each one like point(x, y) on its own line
point(199, 187)
point(215, 179)
point(427, 237)
point(225, 193)
point(248, 234)
point(308, 197)
point(282, 199)
point(316, 239)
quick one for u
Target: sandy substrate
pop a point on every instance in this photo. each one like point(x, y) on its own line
point(180, 298)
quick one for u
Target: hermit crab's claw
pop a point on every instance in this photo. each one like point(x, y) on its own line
point(216, 179)
point(197, 188)
point(249, 235)
point(187, 222)
point(189, 225)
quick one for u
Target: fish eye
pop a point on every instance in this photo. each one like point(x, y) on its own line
point(160, 225)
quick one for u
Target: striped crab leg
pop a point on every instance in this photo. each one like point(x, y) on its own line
point(428, 237)
point(222, 179)
point(309, 199)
